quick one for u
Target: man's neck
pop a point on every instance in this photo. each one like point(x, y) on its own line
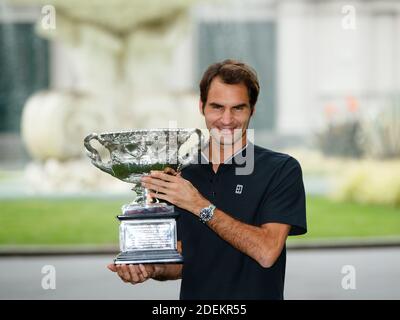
point(219, 153)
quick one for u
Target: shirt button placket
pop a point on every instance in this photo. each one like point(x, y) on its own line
point(212, 181)
point(214, 187)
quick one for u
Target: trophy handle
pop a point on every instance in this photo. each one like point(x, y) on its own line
point(94, 154)
point(201, 139)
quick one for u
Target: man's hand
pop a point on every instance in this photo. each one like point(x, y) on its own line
point(134, 273)
point(176, 190)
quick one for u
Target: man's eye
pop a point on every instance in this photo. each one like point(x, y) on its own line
point(239, 108)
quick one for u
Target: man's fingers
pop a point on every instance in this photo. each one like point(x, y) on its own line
point(156, 186)
point(132, 273)
point(163, 176)
point(144, 271)
point(112, 267)
point(125, 273)
point(121, 273)
point(160, 196)
point(136, 274)
point(170, 171)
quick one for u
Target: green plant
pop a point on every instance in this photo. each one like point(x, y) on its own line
point(341, 139)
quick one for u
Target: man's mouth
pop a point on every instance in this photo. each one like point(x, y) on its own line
point(226, 134)
point(226, 131)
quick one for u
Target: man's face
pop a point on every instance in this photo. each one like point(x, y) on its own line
point(227, 111)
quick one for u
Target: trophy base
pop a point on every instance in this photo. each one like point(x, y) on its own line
point(148, 234)
point(149, 256)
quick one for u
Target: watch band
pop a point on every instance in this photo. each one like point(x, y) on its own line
point(207, 213)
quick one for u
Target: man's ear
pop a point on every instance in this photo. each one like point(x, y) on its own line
point(201, 107)
point(253, 111)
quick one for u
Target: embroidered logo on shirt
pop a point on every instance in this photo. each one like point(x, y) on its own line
point(239, 189)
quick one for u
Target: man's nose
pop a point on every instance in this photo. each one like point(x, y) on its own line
point(227, 117)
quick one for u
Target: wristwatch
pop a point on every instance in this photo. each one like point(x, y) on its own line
point(207, 213)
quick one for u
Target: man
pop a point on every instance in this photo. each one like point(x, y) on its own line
point(233, 227)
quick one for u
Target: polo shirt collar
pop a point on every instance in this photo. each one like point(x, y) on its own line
point(228, 161)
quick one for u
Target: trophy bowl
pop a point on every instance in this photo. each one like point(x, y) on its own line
point(147, 228)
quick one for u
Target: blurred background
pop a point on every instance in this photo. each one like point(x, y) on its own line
point(330, 96)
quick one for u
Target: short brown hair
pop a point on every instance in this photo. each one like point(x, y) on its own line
point(231, 72)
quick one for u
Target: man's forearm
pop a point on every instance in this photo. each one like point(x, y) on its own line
point(249, 239)
point(168, 272)
point(262, 244)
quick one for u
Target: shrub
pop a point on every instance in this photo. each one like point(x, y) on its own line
point(341, 139)
point(370, 182)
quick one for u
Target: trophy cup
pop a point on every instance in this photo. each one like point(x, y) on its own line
point(147, 232)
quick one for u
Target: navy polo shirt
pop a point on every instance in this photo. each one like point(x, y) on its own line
point(272, 191)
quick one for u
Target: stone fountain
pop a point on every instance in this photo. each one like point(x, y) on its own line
point(122, 52)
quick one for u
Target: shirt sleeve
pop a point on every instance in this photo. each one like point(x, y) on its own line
point(284, 200)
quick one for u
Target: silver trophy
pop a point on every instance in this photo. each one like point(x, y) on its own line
point(147, 232)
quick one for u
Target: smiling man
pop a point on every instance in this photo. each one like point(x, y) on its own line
point(233, 224)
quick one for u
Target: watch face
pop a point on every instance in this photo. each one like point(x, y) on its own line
point(205, 214)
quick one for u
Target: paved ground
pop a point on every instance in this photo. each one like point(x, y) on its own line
point(311, 274)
